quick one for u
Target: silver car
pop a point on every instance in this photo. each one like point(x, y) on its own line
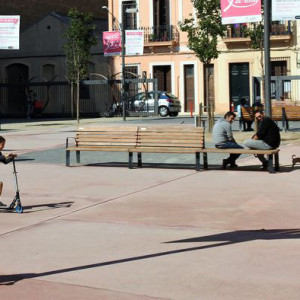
point(168, 104)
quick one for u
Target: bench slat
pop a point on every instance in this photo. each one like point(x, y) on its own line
point(292, 113)
point(187, 150)
point(116, 149)
point(106, 139)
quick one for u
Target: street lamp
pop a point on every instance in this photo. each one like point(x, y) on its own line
point(122, 29)
point(267, 17)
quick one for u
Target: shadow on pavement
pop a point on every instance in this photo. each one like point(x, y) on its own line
point(283, 168)
point(44, 206)
point(145, 165)
point(224, 239)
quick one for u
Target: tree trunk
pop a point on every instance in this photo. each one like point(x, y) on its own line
point(77, 99)
point(210, 105)
point(72, 100)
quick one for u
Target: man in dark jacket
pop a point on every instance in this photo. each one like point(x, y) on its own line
point(266, 138)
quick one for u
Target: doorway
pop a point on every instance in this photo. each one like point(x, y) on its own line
point(163, 75)
point(189, 88)
point(17, 78)
point(239, 83)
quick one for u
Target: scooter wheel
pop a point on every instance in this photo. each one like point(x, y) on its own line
point(19, 209)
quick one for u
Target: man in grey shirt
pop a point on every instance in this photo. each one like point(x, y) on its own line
point(223, 138)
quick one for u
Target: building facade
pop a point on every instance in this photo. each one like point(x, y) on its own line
point(227, 80)
point(41, 59)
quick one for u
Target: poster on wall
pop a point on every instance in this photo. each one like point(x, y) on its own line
point(10, 32)
point(285, 10)
point(240, 11)
point(134, 42)
point(112, 43)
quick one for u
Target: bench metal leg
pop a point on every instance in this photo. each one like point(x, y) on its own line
point(67, 158)
point(139, 155)
point(78, 157)
point(276, 162)
point(130, 160)
point(197, 161)
point(270, 164)
point(205, 164)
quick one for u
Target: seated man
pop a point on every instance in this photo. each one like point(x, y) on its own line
point(223, 138)
point(266, 138)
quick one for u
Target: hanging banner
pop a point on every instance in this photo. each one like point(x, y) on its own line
point(134, 42)
point(240, 11)
point(112, 43)
point(10, 32)
point(285, 10)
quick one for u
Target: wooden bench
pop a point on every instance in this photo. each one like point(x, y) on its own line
point(277, 114)
point(169, 139)
point(188, 140)
point(292, 113)
point(155, 139)
point(247, 115)
point(119, 139)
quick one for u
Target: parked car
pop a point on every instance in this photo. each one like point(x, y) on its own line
point(168, 104)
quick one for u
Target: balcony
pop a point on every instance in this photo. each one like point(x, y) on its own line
point(160, 36)
point(278, 32)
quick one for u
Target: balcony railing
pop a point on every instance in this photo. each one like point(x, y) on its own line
point(165, 33)
point(238, 30)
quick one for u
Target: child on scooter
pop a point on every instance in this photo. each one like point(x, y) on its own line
point(4, 159)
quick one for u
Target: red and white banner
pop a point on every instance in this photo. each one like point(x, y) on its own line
point(112, 43)
point(240, 11)
point(134, 42)
point(10, 32)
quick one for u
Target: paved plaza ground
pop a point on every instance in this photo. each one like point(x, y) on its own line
point(164, 231)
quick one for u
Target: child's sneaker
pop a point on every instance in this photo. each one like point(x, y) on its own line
point(2, 204)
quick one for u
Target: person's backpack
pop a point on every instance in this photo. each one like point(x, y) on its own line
point(38, 104)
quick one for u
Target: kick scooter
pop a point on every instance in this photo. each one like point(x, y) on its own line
point(16, 203)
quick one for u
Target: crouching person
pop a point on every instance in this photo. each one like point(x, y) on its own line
point(4, 159)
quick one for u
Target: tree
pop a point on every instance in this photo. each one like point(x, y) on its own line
point(255, 31)
point(79, 39)
point(203, 33)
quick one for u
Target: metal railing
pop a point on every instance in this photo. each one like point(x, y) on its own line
point(164, 33)
point(238, 30)
point(97, 98)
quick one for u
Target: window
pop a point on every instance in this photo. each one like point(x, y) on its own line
point(161, 12)
point(48, 71)
point(129, 19)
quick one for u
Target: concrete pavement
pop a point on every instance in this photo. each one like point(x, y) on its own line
point(102, 231)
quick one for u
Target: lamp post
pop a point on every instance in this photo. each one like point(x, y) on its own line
point(122, 29)
point(267, 17)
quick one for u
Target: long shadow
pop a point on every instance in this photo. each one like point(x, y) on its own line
point(145, 165)
point(25, 159)
point(224, 239)
point(47, 206)
point(283, 168)
point(44, 206)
